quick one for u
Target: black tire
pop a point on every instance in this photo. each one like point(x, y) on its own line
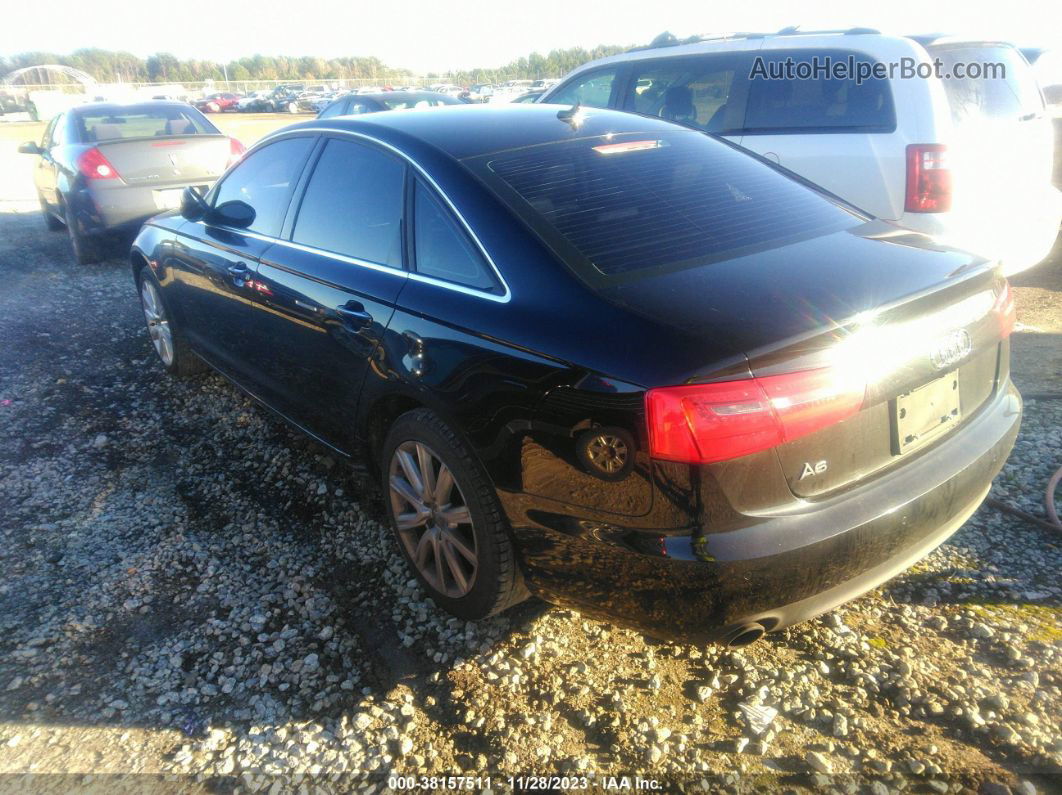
point(184, 362)
point(52, 223)
point(86, 249)
point(497, 584)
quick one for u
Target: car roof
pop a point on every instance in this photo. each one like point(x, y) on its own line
point(400, 95)
point(465, 131)
point(135, 103)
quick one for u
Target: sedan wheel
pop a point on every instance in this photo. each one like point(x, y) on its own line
point(170, 344)
point(157, 322)
point(85, 247)
point(447, 518)
point(433, 520)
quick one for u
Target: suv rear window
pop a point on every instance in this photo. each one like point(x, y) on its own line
point(1013, 95)
point(651, 202)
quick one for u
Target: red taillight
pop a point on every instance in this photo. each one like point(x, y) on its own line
point(1008, 313)
point(236, 150)
point(94, 165)
point(928, 179)
point(703, 423)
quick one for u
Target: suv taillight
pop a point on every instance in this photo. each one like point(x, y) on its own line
point(94, 165)
point(928, 179)
point(704, 423)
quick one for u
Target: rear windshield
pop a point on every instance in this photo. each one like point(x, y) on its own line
point(1010, 93)
point(408, 103)
point(141, 121)
point(637, 203)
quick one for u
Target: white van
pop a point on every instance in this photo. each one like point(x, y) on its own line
point(968, 160)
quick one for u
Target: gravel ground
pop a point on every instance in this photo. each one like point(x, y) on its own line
point(191, 589)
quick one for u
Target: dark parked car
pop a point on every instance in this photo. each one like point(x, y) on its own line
point(107, 167)
point(16, 101)
point(356, 104)
point(614, 362)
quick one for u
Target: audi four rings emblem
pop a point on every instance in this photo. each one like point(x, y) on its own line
point(951, 348)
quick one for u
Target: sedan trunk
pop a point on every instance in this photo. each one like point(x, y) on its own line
point(168, 161)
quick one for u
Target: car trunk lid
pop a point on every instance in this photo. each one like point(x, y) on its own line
point(163, 161)
point(927, 363)
point(914, 324)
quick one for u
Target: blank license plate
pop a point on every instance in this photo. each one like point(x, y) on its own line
point(168, 199)
point(923, 414)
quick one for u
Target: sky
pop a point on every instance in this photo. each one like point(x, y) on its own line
point(436, 36)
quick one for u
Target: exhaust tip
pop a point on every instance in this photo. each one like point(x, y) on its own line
point(743, 636)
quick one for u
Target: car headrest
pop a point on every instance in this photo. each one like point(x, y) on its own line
point(179, 127)
point(106, 132)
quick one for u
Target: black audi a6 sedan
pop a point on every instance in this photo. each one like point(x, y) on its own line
point(601, 359)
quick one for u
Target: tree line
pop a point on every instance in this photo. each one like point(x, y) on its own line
point(108, 66)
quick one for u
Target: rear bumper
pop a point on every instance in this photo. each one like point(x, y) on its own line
point(780, 569)
point(116, 209)
point(1019, 242)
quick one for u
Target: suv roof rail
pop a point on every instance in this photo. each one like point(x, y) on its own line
point(795, 30)
point(668, 39)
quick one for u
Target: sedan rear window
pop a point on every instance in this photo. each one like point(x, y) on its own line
point(649, 202)
point(141, 121)
point(410, 103)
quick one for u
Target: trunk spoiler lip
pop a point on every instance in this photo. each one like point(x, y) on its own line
point(970, 272)
point(159, 138)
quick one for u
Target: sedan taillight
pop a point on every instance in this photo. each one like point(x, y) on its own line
point(1007, 311)
point(705, 423)
point(94, 165)
point(236, 150)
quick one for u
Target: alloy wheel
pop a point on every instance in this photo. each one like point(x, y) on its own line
point(433, 519)
point(607, 452)
point(157, 322)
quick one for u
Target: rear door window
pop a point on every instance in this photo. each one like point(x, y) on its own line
point(442, 249)
point(353, 204)
point(335, 109)
point(1009, 92)
point(820, 104)
point(696, 92)
point(591, 89)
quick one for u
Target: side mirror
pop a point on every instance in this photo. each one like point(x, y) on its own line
point(30, 148)
point(233, 213)
point(192, 205)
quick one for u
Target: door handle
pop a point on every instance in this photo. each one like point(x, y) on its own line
point(353, 314)
point(240, 273)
